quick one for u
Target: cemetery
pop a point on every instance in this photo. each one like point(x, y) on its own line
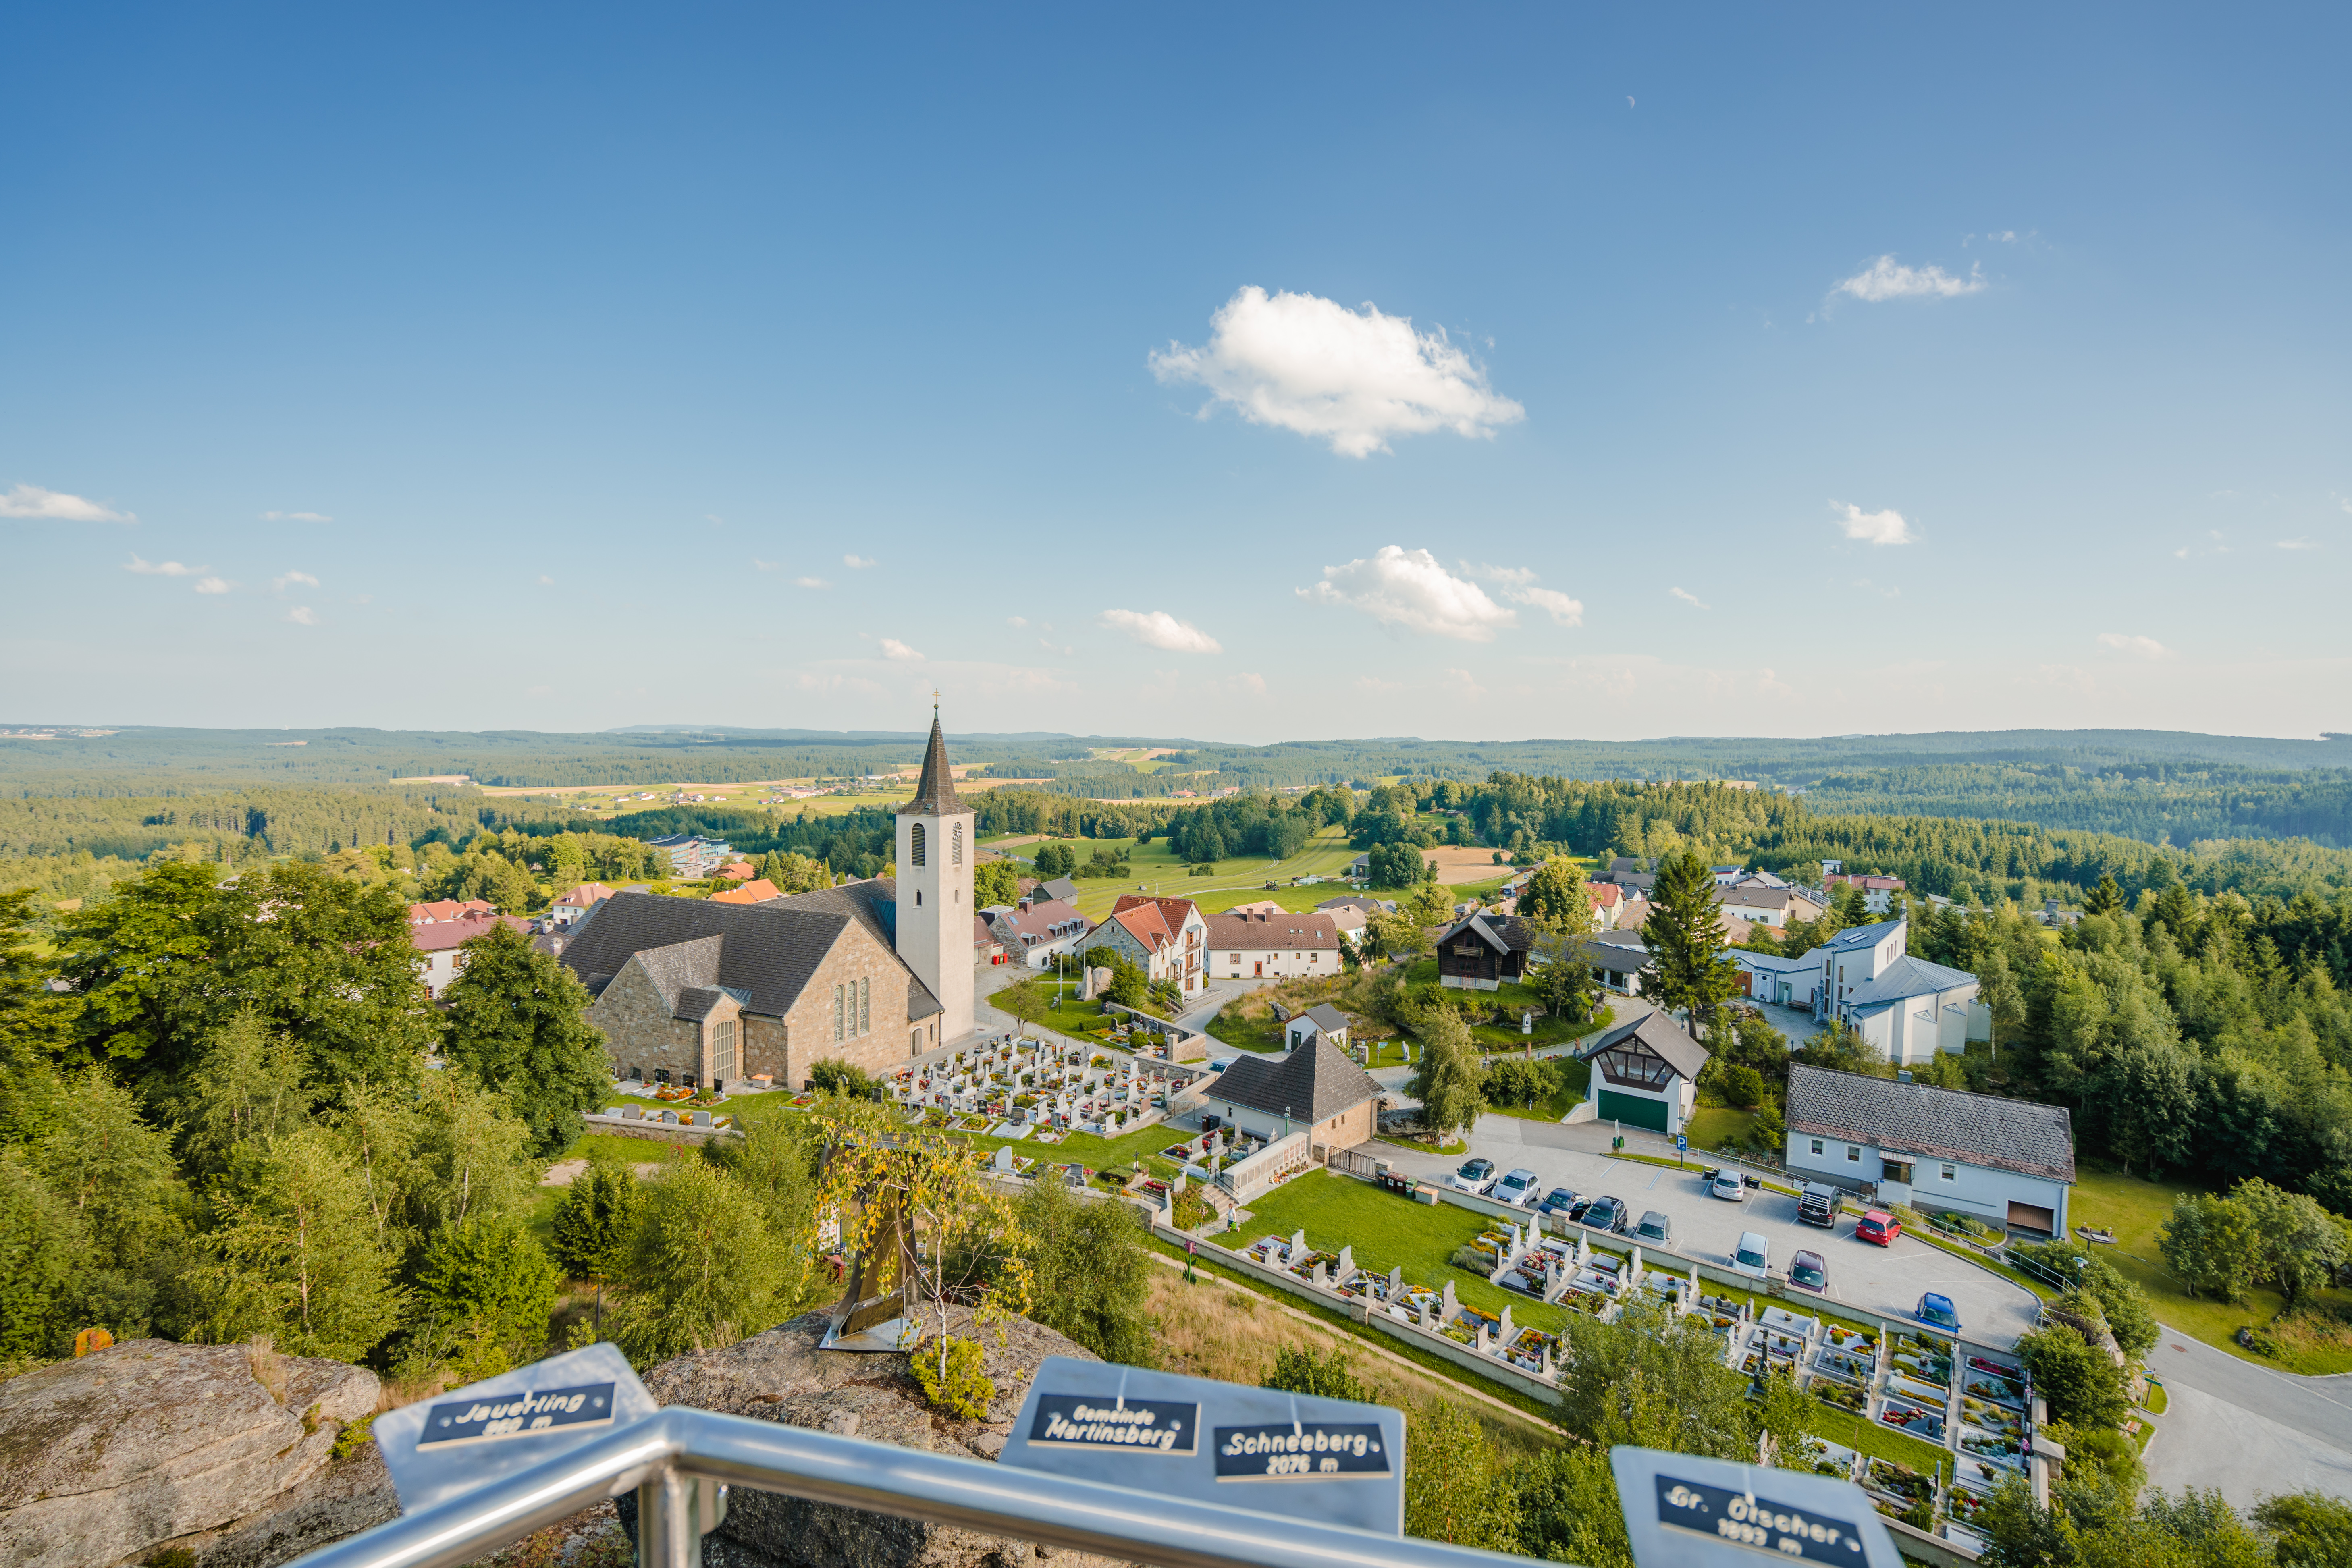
point(1924, 1419)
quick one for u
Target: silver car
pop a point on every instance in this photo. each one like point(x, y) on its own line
point(1752, 1256)
point(1729, 1186)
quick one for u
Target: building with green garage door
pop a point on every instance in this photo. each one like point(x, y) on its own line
point(1646, 1074)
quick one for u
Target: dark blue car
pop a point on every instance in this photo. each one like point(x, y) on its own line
point(1559, 1200)
point(1938, 1312)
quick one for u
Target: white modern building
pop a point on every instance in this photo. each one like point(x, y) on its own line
point(2009, 1162)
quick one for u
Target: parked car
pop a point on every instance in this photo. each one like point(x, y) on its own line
point(1938, 1312)
point(1656, 1228)
point(1818, 1205)
point(1878, 1226)
point(1517, 1189)
point(1808, 1272)
point(1583, 1208)
point(1728, 1187)
point(1558, 1201)
point(1752, 1256)
point(1606, 1214)
point(1476, 1177)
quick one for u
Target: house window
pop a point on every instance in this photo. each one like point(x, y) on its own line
point(864, 1010)
point(955, 839)
point(1951, 1173)
point(722, 1050)
point(1853, 1155)
point(915, 846)
point(1817, 1145)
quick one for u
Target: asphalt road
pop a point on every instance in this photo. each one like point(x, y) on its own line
point(1888, 1281)
point(2246, 1430)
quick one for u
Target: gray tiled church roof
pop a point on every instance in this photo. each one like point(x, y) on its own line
point(2020, 1135)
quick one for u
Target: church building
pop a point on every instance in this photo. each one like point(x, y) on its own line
point(700, 993)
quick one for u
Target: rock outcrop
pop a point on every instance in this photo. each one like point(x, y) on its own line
point(780, 1375)
point(150, 1443)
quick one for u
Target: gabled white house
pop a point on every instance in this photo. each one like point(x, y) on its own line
point(2010, 1161)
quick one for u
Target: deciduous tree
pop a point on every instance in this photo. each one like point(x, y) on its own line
point(1447, 1079)
point(516, 1019)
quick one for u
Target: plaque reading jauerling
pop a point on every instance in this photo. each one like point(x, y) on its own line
point(1301, 1451)
point(517, 1414)
point(1131, 1426)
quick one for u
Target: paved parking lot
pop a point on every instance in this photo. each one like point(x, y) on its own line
point(1889, 1281)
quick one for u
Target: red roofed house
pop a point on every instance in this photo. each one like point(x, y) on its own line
point(449, 910)
point(1608, 903)
point(437, 943)
point(739, 872)
point(1038, 930)
point(1256, 941)
point(1166, 938)
point(758, 890)
point(985, 948)
point(570, 907)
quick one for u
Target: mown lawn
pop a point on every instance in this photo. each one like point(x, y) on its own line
point(1388, 1231)
point(1711, 1125)
point(1877, 1439)
point(2133, 1208)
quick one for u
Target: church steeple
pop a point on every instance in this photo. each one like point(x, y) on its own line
point(935, 792)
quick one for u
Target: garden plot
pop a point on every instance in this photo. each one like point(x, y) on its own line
point(1897, 1488)
point(1994, 1383)
point(1824, 1457)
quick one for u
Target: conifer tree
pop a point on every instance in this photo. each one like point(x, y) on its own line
point(1685, 941)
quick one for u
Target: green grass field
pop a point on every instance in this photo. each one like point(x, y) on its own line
point(1388, 1231)
point(1240, 880)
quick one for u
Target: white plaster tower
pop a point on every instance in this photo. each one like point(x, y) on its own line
point(936, 855)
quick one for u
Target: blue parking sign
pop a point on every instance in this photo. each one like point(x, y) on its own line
point(1682, 1144)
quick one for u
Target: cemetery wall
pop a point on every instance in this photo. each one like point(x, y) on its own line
point(656, 1131)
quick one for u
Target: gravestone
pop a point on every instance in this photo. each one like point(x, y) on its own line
point(1347, 1260)
point(1507, 1333)
point(1448, 1304)
point(1004, 1160)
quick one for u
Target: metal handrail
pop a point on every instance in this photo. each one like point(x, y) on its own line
point(665, 1454)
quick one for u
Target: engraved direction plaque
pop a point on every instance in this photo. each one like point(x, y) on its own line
point(505, 1425)
point(1198, 1438)
point(1137, 1426)
point(1683, 1512)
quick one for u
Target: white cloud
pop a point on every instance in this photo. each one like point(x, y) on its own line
point(296, 517)
point(163, 568)
point(32, 500)
point(1158, 628)
point(1016, 620)
point(305, 578)
point(1688, 597)
point(544, 581)
point(1886, 527)
point(893, 648)
point(1352, 378)
point(857, 563)
point(1562, 609)
point(1409, 589)
point(2137, 647)
point(1520, 576)
point(811, 583)
point(303, 616)
point(1886, 279)
point(215, 586)
point(1247, 684)
point(2298, 544)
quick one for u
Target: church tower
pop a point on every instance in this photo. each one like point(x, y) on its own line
point(936, 854)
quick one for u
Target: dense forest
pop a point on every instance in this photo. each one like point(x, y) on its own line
point(2177, 803)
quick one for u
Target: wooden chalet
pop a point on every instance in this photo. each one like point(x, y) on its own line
point(1480, 951)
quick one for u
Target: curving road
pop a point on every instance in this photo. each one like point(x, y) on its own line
point(2245, 1429)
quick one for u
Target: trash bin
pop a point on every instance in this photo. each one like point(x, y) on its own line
point(1617, 1143)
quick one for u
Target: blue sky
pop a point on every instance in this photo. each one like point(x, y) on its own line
point(1236, 373)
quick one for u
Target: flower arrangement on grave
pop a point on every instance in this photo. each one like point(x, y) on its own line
point(1823, 1462)
point(1898, 1481)
point(1903, 1418)
point(1991, 1417)
point(974, 1123)
point(1304, 1266)
point(1842, 1396)
point(2000, 1450)
point(1963, 1505)
point(1853, 1340)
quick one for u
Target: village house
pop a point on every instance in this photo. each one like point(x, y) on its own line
point(1322, 1021)
point(1759, 904)
point(1314, 1088)
point(1646, 1073)
point(1875, 889)
point(1269, 940)
point(1038, 930)
point(571, 906)
point(1480, 951)
point(1608, 904)
point(758, 890)
point(449, 910)
point(1166, 938)
point(439, 944)
point(2008, 1162)
point(1617, 965)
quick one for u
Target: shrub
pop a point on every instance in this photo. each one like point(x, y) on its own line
point(950, 1373)
point(1192, 1211)
point(841, 1078)
point(2084, 1389)
point(1743, 1087)
point(1330, 1375)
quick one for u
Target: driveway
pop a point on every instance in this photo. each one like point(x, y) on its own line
point(2247, 1429)
point(1887, 1281)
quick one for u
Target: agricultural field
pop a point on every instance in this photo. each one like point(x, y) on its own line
point(1155, 869)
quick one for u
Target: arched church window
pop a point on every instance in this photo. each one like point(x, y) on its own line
point(955, 838)
point(917, 857)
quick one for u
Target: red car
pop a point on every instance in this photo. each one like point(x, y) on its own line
point(1878, 1225)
